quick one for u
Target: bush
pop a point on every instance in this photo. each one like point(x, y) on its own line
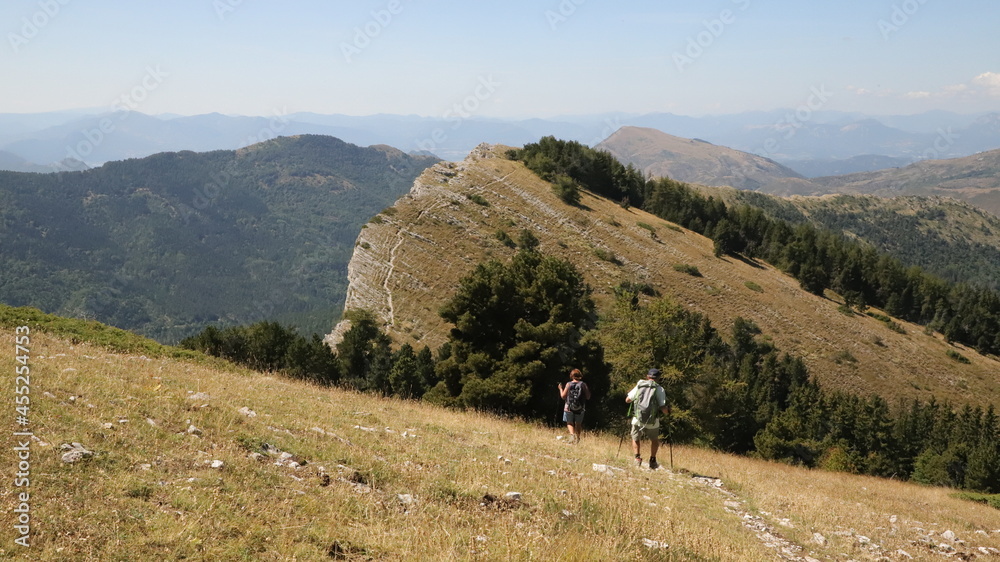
point(607, 256)
point(958, 356)
point(689, 269)
point(754, 287)
point(505, 239)
point(478, 199)
point(567, 190)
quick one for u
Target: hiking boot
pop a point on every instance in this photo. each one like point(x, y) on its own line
point(652, 463)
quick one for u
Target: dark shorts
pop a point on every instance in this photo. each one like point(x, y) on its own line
point(570, 417)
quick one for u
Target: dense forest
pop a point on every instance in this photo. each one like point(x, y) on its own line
point(167, 244)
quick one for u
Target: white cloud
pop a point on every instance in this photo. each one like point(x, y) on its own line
point(989, 82)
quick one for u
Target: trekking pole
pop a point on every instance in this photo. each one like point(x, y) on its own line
point(628, 419)
point(670, 439)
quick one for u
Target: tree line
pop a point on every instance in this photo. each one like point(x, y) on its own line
point(519, 327)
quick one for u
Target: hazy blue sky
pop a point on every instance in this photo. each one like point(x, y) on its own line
point(516, 58)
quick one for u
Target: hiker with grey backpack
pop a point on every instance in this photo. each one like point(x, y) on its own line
point(647, 399)
point(575, 394)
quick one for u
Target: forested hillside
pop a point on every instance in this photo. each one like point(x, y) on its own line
point(166, 244)
point(946, 237)
point(819, 259)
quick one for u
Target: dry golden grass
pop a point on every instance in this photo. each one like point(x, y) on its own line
point(409, 262)
point(150, 492)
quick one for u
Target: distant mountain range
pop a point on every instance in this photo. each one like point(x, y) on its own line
point(974, 179)
point(818, 144)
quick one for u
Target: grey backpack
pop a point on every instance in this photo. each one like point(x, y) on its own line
point(646, 404)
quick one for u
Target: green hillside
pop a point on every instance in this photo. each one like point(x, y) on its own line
point(167, 244)
point(946, 237)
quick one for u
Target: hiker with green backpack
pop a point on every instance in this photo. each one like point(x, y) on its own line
point(647, 399)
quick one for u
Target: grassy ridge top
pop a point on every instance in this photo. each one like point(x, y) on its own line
point(390, 480)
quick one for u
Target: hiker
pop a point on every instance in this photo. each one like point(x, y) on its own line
point(648, 397)
point(575, 393)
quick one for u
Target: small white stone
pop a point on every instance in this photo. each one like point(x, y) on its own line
point(514, 496)
point(217, 464)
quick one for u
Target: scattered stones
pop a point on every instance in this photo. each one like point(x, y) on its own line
point(949, 536)
point(247, 412)
point(75, 452)
point(513, 496)
point(819, 539)
point(192, 430)
point(654, 545)
point(216, 464)
point(405, 499)
point(108, 425)
point(612, 471)
point(199, 396)
point(904, 554)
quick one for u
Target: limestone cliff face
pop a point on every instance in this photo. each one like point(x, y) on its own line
point(409, 260)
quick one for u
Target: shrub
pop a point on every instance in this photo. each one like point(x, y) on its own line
point(689, 269)
point(607, 256)
point(505, 239)
point(958, 356)
point(478, 199)
point(754, 287)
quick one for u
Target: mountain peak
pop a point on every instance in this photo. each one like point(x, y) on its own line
point(693, 160)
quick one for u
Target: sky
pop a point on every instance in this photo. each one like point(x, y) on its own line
point(511, 59)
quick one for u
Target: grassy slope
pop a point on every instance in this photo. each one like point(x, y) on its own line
point(150, 492)
point(409, 260)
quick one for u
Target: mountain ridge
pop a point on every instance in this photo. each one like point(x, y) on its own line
point(453, 216)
